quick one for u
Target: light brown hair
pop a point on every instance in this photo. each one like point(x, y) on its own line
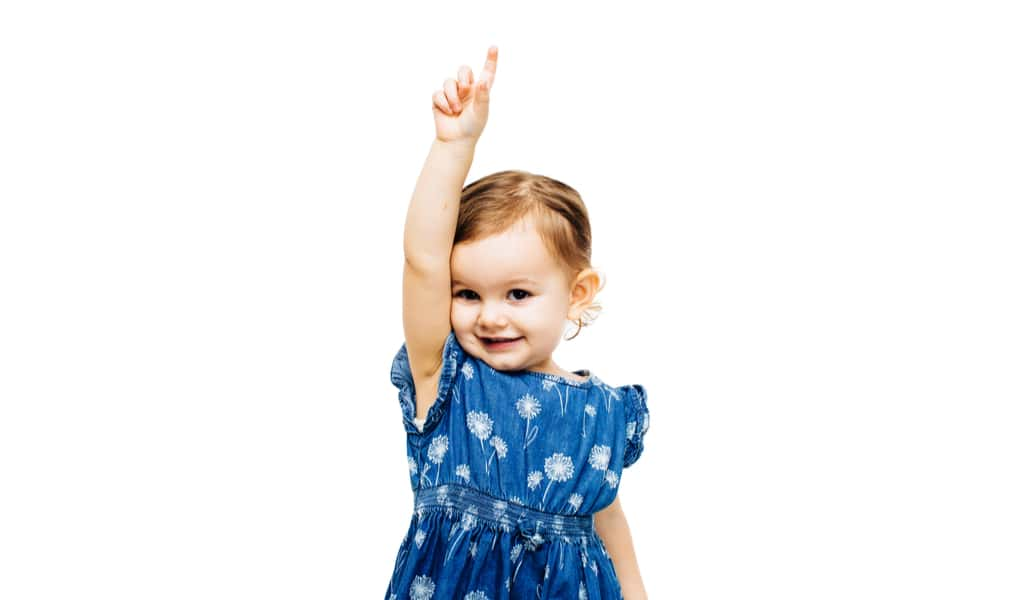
point(492, 204)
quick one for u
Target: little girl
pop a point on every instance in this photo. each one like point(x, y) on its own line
point(515, 462)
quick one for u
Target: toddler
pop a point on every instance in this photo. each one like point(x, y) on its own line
point(515, 463)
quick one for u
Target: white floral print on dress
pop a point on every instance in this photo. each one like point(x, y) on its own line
point(609, 393)
point(499, 448)
point(468, 522)
point(438, 448)
point(599, 457)
point(548, 385)
point(558, 467)
point(422, 588)
point(588, 410)
point(480, 423)
point(529, 408)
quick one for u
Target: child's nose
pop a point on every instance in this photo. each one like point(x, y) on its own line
point(491, 314)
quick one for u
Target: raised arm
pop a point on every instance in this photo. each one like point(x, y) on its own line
point(460, 113)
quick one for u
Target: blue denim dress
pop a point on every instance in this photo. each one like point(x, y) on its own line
point(507, 473)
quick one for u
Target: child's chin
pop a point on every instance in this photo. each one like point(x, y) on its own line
point(501, 363)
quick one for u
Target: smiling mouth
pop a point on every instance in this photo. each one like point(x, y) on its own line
point(500, 340)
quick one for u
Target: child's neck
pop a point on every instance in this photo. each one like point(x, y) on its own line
point(553, 369)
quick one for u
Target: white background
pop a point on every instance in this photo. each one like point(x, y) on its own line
point(808, 214)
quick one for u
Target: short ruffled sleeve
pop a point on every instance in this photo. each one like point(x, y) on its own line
point(638, 421)
point(401, 377)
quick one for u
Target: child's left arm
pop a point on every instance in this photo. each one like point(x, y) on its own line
point(611, 525)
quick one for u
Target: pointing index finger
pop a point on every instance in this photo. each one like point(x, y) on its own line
point(490, 65)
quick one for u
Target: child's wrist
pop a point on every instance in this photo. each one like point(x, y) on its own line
point(463, 146)
point(459, 143)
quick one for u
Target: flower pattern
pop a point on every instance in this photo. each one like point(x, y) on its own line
point(467, 523)
point(599, 457)
point(548, 385)
point(558, 467)
point(422, 588)
point(438, 448)
point(496, 535)
point(534, 479)
point(480, 424)
point(608, 393)
point(529, 408)
point(500, 449)
point(588, 411)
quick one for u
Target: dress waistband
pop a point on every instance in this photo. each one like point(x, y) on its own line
point(534, 525)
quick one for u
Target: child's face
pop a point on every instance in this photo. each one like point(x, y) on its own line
point(489, 302)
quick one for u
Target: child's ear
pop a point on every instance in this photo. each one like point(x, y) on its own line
point(582, 292)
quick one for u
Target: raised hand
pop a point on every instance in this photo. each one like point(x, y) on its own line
point(460, 109)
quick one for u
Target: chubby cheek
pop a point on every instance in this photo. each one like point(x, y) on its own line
point(461, 318)
point(551, 313)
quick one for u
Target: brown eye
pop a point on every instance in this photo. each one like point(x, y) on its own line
point(460, 294)
point(525, 293)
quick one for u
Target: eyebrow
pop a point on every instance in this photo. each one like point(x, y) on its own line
point(509, 282)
